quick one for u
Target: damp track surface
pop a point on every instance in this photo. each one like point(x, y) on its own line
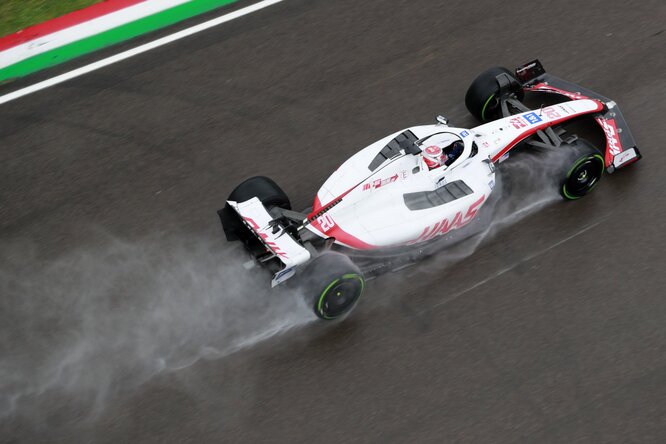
point(551, 331)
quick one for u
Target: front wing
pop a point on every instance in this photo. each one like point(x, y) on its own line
point(621, 149)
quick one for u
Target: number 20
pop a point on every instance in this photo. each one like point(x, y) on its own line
point(326, 222)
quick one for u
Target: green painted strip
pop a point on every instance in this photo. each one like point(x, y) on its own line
point(110, 37)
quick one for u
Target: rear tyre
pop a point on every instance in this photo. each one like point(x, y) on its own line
point(482, 99)
point(268, 192)
point(581, 171)
point(333, 285)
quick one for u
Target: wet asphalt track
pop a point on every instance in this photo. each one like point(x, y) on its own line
point(553, 331)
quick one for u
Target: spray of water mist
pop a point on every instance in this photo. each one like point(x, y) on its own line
point(526, 184)
point(101, 320)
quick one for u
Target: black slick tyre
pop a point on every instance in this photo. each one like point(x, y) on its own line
point(581, 171)
point(482, 98)
point(264, 188)
point(332, 285)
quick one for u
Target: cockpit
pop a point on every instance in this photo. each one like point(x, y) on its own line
point(441, 149)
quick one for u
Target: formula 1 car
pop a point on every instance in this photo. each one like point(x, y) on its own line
point(395, 197)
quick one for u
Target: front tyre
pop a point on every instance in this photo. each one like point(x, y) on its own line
point(482, 98)
point(582, 170)
point(333, 285)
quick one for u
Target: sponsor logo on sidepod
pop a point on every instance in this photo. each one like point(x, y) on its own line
point(446, 225)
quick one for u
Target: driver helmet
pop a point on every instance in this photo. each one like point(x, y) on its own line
point(432, 156)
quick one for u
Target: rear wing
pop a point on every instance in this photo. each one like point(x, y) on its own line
point(621, 149)
point(279, 244)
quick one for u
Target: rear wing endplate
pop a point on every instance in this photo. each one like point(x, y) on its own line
point(276, 240)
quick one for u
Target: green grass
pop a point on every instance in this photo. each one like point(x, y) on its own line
point(18, 14)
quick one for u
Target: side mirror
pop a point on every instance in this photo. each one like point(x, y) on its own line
point(443, 120)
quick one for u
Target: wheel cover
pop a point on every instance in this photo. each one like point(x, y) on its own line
point(340, 296)
point(583, 176)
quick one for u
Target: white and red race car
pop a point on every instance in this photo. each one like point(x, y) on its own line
point(397, 195)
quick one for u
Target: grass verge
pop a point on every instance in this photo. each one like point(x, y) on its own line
point(19, 14)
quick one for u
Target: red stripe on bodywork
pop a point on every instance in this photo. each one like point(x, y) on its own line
point(64, 21)
point(342, 236)
point(545, 125)
point(317, 206)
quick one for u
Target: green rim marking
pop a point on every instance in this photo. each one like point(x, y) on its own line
point(578, 162)
point(485, 105)
point(356, 276)
point(567, 195)
point(110, 37)
point(323, 294)
point(329, 286)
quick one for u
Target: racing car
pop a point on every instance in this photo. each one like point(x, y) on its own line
point(387, 203)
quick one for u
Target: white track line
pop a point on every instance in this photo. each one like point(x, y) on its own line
point(136, 51)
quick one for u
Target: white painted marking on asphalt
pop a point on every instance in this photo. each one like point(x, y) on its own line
point(511, 267)
point(136, 51)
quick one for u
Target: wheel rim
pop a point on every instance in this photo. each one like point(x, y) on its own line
point(340, 296)
point(583, 176)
